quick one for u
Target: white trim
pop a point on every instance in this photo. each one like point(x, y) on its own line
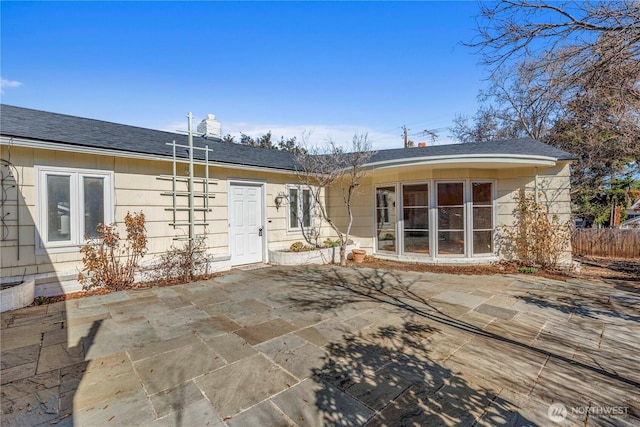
point(494, 216)
point(397, 225)
point(433, 256)
point(28, 143)
point(401, 249)
point(76, 208)
point(448, 159)
point(301, 188)
point(468, 158)
point(465, 228)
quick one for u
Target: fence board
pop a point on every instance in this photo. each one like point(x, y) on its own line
point(606, 242)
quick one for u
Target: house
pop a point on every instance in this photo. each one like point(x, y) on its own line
point(61, 175)
point(632, 213)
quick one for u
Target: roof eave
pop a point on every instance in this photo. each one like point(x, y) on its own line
point(505, 159)
point(56, 146)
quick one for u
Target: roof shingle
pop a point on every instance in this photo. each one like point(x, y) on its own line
point(26, 123)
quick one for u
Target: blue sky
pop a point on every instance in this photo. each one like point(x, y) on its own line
point(332, 69)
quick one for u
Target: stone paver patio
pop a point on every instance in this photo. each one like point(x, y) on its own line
point(314, 346)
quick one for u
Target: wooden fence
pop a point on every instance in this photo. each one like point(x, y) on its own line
point(606, 242)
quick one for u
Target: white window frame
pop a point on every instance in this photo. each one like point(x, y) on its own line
point(430, 209)
point(391, 209)
point(299, 207)
point(76, 206)
point(433, 218)
point(494, 218)
point(465, 219)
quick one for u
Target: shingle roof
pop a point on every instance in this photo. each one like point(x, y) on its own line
point(82, 132)
point(508, 147)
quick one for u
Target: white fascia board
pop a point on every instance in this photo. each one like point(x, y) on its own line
point(44, 145)
point(472, 158)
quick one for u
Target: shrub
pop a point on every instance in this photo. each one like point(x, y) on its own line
point(111, 262)
point(527, 270)
point(185, 262)
point(536, 237)
point(328, 243)
point(297, 247)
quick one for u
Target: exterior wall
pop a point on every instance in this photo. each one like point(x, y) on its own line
point(136, 188)
point(553, 186)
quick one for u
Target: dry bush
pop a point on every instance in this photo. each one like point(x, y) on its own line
point(110, 262)
point(536, 237)
point(185, 262)
point(299, 247)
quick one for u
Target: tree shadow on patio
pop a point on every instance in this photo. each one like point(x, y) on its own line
point(594, 304)
point(387, 377)
point(329, 288)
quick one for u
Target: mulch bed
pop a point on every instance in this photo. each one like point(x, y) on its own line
point(497, 268)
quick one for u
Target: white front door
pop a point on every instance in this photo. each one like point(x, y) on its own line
point(245, 224)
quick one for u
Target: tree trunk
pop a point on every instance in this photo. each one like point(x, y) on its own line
point(343, 258)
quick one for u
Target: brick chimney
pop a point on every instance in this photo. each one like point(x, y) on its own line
point(210, 127)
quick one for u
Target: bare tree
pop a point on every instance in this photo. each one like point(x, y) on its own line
point(588, 38)
point(515, 105)
point(587, 51)
point(486, 125)
point(332, 167)
point(583, 58)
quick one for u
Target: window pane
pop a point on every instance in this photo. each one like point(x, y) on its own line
point(482, 242)
point(415, 195)
point(58, 208)
point(450, 194)
point(387, 240)
point(416, 218)
point(482, 218)
point(306, 208)
point(482, 193)
point(416, 242)
point(93, 205)
point(386, 219)
point(451, 242)
point(451, 218)
point(293, 208)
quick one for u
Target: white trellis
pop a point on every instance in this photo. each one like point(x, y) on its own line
point(190, 195)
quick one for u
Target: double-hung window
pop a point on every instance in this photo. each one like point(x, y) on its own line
point(300, 208)
point(71, 204)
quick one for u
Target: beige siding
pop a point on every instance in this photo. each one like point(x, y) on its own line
point(553, 187)
point(136, 188)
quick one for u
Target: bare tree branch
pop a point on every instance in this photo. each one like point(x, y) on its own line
point(322, 168)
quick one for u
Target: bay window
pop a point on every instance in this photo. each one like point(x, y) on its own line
point(437, 219)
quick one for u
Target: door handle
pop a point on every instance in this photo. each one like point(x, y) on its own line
point(260, 231)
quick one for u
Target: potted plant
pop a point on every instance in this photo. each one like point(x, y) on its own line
point(358, 255)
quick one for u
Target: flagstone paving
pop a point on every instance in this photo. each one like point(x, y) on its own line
point(315, 346)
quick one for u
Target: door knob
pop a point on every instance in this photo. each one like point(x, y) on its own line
point(260, 231)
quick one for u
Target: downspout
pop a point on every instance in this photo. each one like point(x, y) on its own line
point(535, 186)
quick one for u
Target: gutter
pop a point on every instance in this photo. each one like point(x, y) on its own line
point(472, 158)
point(29, 143)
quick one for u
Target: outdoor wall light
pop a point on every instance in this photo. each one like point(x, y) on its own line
point(279, 199)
